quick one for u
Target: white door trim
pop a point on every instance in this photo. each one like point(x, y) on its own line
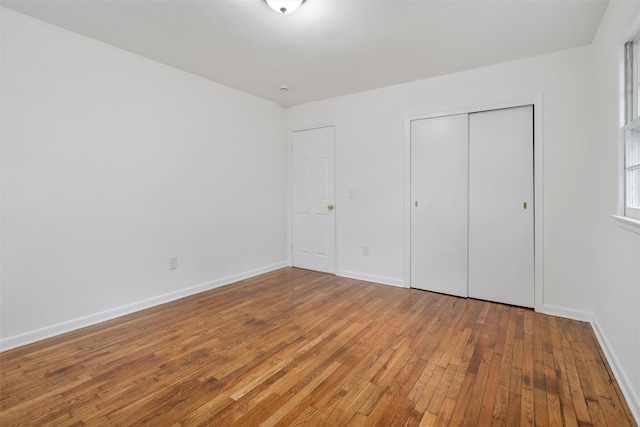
point(289, 150)
point(538, 183)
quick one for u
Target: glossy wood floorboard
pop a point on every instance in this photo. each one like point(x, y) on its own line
point(294, 347)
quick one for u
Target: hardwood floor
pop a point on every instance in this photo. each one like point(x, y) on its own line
point(294, 347)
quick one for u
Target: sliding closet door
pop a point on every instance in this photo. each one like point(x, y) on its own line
point(439, 204)
point(501, 244)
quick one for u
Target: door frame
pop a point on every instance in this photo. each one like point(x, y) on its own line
point(538, 184)
point(289, 149)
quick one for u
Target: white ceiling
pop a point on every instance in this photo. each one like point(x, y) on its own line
point(328, 47)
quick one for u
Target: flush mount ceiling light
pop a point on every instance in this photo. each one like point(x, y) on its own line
point(284, 6)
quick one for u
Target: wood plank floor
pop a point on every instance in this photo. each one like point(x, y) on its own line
point(294, 347)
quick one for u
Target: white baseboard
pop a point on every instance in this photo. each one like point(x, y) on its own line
point(569, 313)
point(92, 319)
point(372, 278)
point(621, 377)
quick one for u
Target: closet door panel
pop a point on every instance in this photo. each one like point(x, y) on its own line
point(501, 234)
point(439, 204)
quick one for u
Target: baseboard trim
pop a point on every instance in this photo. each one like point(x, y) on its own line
point(569, 313)
point(92, 319)
point(621, 377)
point(372, 278)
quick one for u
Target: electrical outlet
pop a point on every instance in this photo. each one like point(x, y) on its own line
point(365, 250)
point(173, 263)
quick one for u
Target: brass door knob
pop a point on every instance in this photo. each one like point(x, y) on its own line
point(330, 207)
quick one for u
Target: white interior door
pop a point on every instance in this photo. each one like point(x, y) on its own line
point(439, 204)
point(501, 220)
point(313, 199)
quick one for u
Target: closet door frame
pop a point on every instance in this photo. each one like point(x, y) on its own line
point(538, 183)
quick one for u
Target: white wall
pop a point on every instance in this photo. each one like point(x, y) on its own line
point(370, 135)
point(111, 164)
point(616, 261)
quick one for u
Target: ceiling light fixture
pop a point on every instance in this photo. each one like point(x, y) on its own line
point(284, 6)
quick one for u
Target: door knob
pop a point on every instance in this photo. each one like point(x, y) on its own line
point(524, 205)
point(330, 207)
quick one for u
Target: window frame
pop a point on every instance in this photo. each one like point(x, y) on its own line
point(630, 129)
point(632, 123)
point(635, 80)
